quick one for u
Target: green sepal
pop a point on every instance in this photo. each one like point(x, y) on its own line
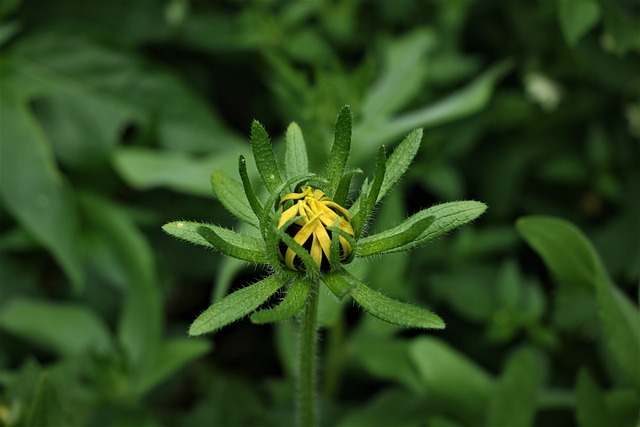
point(235, 245)
point(334, 259)
point(446, 217)
point(291, 305)
point(399, 161)
point(337, 284)
point(236, 305)
point(392, 239)
point(390, 310)
point(311, 267)
point(232, 196)
point(189, 231)
point(343, 187)
point(264, 157)
point(370, 198)
point(396, 166)
point(295, 152)
point(248, 188)
point(339, 151)
point(353, 242)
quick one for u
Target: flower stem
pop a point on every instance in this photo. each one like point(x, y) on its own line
point(308, 339)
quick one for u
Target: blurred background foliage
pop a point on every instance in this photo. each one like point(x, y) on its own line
point(113, 115)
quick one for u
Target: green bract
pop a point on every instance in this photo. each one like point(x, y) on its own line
point(241, 200)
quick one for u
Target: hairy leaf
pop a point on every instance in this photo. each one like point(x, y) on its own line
point(236, 305)
point(291, 305)
point(231, 194)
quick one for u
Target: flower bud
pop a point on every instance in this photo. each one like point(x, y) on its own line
point(317, 212)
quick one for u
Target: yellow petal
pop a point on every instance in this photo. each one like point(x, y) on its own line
point(290, 213)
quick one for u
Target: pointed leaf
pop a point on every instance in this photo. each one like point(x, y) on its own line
point(46, 409)
point(394, 238)
point(190, 232)
point(295, 153)
point(338, 284)
point(291, 305)
point(577, 18)
point(591, 407)
point(572, 259)
point(248, 188)
point(235, 245)
point(236, 305)
point(33, 190)
point(344, 186)
point(453, 381)
point(462, 103)
point(173, 355)
point(370, 198)
point(399, 161)
point(515, 398)
point(340, 150)
point(390, 310)
point(140, 323)
point(231, 194)
point(66, 329)
point(264, 157)
point(446, 217)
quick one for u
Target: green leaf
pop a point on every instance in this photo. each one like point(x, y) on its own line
point(446, 217)
point(248, 188)
point(564, 249)
point(295, 153)
point(571, 258)
point(46, 409)
point(338, 284)
point(403, 74)
point(390, 310)
point(466, 101)
point(146, 168)
point(392, 239)
point(591, 408)
point(399, 161)
point(342, 192)
point(171, 356)
point(244, 250)
point(514, 400)
point(453, 382)
point(368, 201)
point(227, 241)
point(140, 322)
point(392, 407)
point(386, 358)
point(33, 190)
point(66, 329)
point(63, 61)
point(231, 194)
point(577, 18)
point(339, 151)
point(291, 305)
point(264, 157)
point(236, 305)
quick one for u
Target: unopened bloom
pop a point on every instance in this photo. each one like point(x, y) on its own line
point(307, 234)
point(315, 212)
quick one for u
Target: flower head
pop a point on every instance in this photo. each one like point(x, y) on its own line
point(307, 235)
point(312, 213)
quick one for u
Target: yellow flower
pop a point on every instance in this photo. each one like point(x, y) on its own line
point(317, 212)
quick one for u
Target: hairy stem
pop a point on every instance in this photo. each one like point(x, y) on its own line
point(308, 339)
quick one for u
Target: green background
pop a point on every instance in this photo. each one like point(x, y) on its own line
point(113, 115)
